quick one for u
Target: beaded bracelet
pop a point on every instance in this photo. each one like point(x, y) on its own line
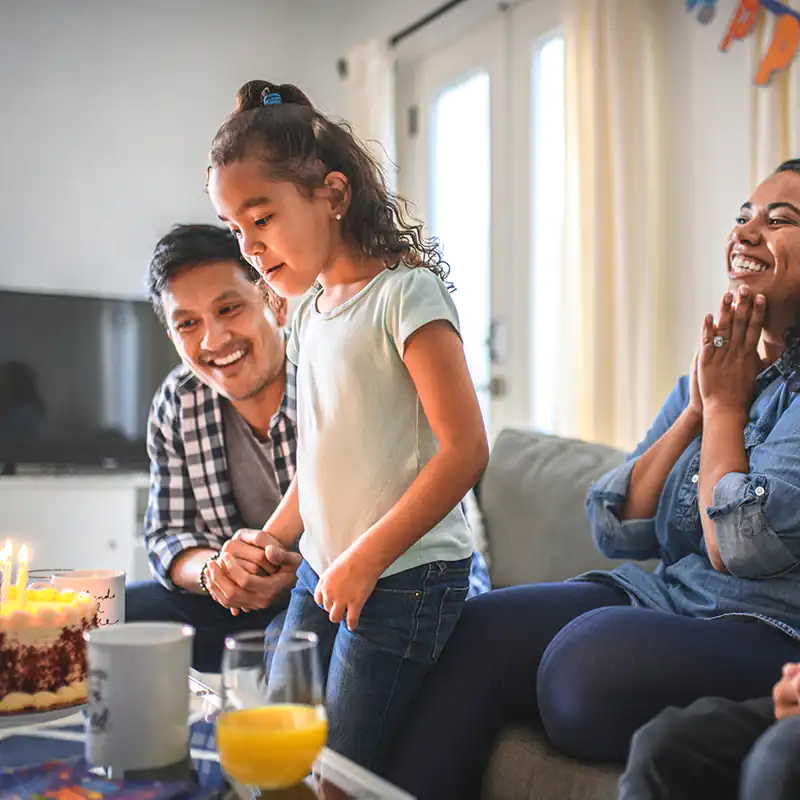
point(203, 571)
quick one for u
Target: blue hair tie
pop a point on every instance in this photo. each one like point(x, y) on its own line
point(272, 99)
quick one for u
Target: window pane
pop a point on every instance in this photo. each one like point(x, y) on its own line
point(460, 206)
point(547, 225)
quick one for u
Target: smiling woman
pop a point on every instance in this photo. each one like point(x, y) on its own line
point(763, 244)
point(713, 491)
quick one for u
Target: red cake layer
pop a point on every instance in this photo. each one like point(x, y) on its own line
point(35, 668)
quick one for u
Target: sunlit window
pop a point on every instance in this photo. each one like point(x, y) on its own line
point(460, 206)
point(547, 227)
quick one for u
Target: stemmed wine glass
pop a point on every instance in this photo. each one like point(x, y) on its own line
point(272, 725)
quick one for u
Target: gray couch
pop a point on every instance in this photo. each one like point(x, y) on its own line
point(532, 500)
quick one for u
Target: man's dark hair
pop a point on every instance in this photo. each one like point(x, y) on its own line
point(792, 165)
point(190, 246)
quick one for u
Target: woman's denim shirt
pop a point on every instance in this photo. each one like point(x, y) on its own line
point(756, 518)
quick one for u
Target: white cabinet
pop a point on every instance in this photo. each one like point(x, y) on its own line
point(77, 521)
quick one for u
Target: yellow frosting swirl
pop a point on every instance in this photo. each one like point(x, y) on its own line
point(47, 608)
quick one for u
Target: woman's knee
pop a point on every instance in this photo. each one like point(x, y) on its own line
point(583, 686)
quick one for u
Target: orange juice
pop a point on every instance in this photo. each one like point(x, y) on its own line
point(271, 747)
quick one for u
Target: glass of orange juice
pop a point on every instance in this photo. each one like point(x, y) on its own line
point(272, 725)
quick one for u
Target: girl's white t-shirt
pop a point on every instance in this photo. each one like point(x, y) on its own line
point(363, 436)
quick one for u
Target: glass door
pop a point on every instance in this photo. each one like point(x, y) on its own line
point(460, 211)
point(538, 187)
point(454, 98)
point(481, 132)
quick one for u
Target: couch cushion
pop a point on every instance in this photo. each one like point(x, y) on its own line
point(533, 499)
point(524, 766)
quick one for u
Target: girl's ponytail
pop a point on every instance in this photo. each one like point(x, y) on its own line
point(252, 94)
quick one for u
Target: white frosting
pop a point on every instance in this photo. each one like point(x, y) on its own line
point(67, 695)
point(42, 620)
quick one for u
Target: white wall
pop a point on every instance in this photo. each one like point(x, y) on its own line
point(108, 109)
point(707, 166)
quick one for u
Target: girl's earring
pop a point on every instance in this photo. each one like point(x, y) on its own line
point(338, 217)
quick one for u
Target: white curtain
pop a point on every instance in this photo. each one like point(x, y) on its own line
point(611, 339)
point(370, 100)
point(775, 108)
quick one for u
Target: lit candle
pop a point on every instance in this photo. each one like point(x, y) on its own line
point(5, 574)
point(22, 576)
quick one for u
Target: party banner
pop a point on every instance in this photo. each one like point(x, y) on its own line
point(785, 33)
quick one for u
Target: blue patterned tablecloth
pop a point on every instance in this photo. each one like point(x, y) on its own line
point(24, 746)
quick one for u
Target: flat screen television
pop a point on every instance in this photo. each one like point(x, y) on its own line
point(77, 377)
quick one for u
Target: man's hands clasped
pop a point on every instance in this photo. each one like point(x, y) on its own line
point(253, 568)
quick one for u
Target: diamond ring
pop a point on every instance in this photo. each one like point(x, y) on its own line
point(718, 342)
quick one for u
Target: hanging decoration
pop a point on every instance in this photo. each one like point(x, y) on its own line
point(785, 34)
point(706, 10)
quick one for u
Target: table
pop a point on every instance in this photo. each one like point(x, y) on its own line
point(64, 739)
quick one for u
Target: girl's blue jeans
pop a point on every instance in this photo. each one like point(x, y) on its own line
point(374, 671)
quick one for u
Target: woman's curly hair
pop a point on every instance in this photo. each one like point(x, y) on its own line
point(299, 144)
point(791, 353)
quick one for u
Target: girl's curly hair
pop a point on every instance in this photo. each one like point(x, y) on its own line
point(299, 144)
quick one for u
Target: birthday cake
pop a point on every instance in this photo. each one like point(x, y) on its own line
point(42, 650)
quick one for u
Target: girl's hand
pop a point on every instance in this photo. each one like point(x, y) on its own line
point(344, 588)
point(727, 374)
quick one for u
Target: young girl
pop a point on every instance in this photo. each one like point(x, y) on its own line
point(390, 435)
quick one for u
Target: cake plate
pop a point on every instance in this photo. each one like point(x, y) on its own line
point(30, 718)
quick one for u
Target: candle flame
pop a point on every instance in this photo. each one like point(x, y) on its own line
point(23, 555)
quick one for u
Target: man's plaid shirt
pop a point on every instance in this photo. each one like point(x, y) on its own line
point(191, 499)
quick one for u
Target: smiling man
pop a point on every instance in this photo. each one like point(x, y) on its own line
point(222, 442)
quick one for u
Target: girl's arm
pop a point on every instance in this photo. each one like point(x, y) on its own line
point(286, 524)
point(434, 357)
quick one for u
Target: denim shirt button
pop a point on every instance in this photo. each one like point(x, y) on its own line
point(696, 478)
point(760, 491)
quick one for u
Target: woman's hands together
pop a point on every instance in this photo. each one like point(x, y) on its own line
point(728, 362)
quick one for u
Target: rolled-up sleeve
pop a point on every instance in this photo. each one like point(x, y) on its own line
point(172, 522)
point(615, 538)
point(757, 516)
point(632, 538)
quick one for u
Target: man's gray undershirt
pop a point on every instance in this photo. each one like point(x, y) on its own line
point(252, 472)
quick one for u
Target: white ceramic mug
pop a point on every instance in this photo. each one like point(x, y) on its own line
point(138, 707)
point(107, 586)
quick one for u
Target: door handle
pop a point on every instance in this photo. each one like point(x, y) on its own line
point(496, 341)
point(496, 387)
